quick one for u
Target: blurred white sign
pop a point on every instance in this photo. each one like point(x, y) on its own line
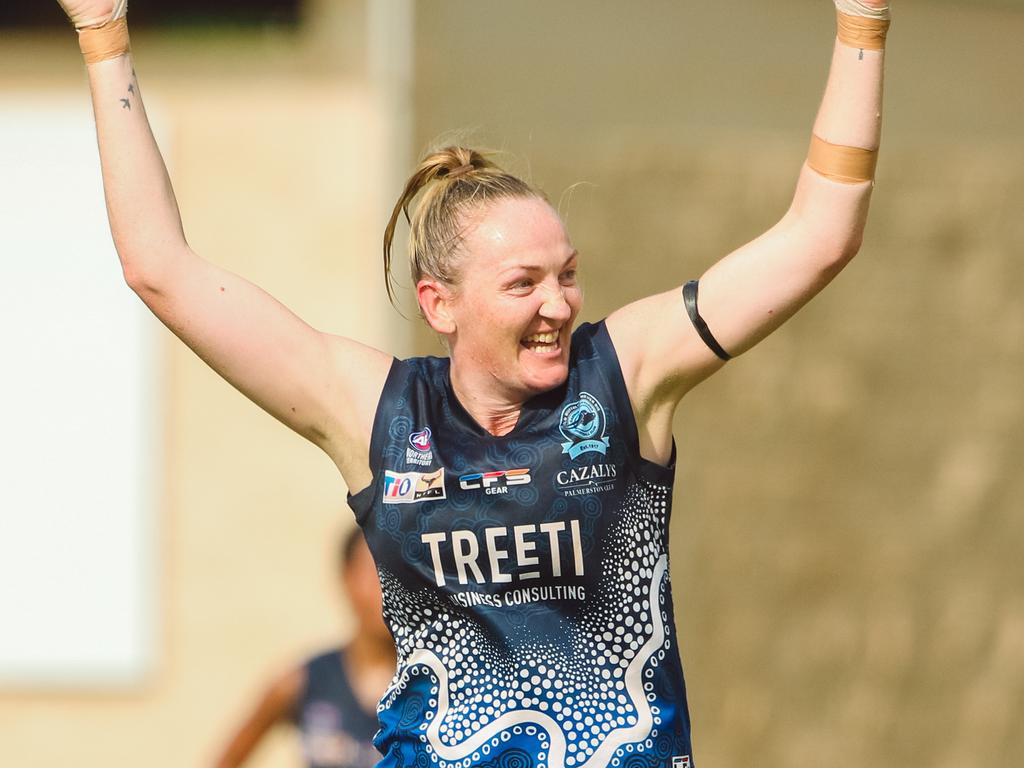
point(79, 455)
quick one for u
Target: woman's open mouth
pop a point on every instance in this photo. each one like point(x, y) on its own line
point(542, 343)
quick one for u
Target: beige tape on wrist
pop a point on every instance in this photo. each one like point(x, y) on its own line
point(847, 165)
point(861, 32)
point(105, 42)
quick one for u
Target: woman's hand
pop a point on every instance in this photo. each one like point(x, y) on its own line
point(93, 13)
point(875, 9)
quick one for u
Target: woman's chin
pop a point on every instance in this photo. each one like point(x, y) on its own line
point(545, 370)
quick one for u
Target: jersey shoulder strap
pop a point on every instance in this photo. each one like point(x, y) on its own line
point(409, 389)
point(597, 357)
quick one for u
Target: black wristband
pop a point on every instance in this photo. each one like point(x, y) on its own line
point(690, 300)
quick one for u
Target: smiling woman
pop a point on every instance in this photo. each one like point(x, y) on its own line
point(495, 275)
point(508, 317)
point(516, 493)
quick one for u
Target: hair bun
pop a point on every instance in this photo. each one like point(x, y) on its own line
point(462, 170)
point(436, 226)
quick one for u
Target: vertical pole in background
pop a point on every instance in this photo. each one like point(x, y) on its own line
point(390, 45)
point(373, 42)
point(391, 41)
point(335, 30)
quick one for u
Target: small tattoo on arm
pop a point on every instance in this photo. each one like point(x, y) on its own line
point(126, 102)
point(861, 55)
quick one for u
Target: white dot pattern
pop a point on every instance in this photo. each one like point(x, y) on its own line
point(584, 693)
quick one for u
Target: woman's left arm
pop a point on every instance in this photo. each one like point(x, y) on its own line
point(752, 291)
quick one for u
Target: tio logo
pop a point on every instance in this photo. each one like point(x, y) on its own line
point(681, 762)
point(410, 487)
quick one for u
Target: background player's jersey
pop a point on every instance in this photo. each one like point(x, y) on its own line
point(525, 577)
point(336, 731)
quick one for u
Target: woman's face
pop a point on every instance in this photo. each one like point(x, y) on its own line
point(517, 298)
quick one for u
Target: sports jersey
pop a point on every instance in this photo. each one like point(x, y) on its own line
point(525, 577)
point(337, 732)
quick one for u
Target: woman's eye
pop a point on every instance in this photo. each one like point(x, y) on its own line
point(569, 276)
point(522, 284)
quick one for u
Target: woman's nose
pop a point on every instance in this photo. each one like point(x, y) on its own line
point(555, 307)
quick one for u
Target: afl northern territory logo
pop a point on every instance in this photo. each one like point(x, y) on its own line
point(582, 425)
point(420, 450)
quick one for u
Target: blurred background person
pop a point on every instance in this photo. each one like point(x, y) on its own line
point(332, 698)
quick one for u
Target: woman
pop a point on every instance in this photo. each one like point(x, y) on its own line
point(515, 495)
point(332, 697)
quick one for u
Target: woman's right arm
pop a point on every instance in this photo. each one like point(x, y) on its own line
point(324, 387)
point(277, 704)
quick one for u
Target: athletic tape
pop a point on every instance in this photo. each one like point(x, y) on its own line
point(847, 165)
point(106, 42)
point(861, 32)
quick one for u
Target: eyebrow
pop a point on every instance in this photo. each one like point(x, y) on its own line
point(537, 267)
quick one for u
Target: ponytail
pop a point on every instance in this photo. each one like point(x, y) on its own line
point(449, 183)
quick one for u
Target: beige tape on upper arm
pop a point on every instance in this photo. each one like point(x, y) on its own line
point(848, 165)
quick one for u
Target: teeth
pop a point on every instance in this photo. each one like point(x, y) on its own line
point(542, 338)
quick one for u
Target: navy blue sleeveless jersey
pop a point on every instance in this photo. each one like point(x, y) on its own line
point(525, 577)
point(336, 731)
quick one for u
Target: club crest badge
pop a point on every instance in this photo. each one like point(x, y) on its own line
point(582, 425)
point(420, 450)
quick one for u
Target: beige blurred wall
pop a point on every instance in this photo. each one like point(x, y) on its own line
point(849, 510)
point(283, 171)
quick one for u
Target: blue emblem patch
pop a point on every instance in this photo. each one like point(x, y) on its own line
point(582, 425)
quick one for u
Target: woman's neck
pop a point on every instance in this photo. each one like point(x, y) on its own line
point(366, 651)
point(369, 663)
point(482, 397)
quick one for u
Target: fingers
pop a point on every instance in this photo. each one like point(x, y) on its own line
point(872, 9)
point(89, 15)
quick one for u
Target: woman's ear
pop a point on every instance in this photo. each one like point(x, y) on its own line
point(435, 299)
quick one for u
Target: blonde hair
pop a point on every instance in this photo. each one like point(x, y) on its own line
point(453, 181)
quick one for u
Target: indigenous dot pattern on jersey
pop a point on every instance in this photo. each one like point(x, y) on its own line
point(525, 577)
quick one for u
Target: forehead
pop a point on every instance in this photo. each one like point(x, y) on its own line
point(517, 230)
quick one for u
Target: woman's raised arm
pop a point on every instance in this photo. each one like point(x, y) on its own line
point(752, 291)
point(322, 386)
